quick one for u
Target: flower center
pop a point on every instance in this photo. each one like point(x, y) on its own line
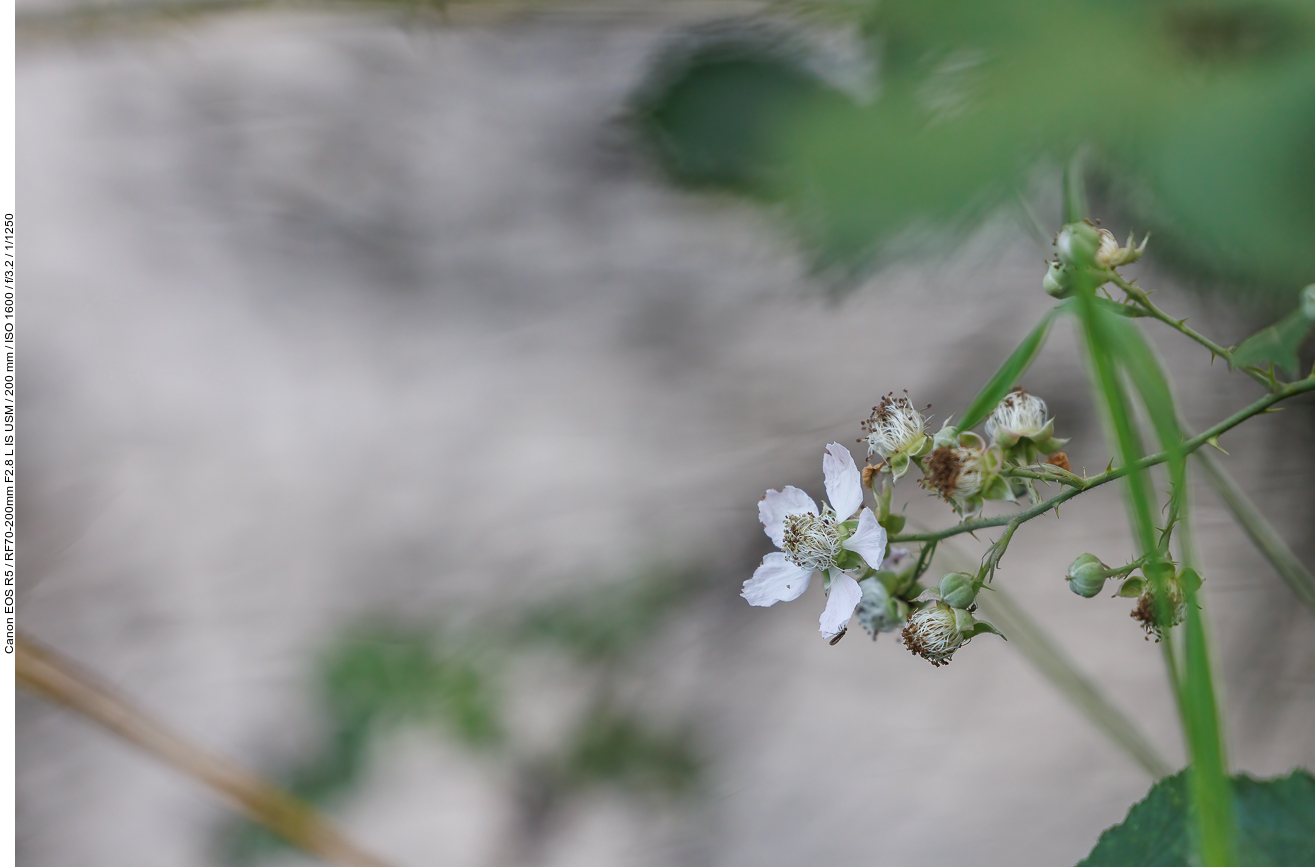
point(812, 541)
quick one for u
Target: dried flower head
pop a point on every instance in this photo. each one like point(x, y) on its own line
point(1157, 618)
point(1110, 255)
point(896, 431)
point(954, 473)
point(933, 633)
point(1019, 415)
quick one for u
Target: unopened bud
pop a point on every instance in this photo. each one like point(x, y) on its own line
point(1077, 244)
point(958, 589)
point(1058, 282)
point(1086, 576)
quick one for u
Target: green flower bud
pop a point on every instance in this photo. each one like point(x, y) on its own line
point(1058, 281)
point(958, 589)
point(1086, 576)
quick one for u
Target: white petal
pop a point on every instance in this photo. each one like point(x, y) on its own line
point(840, 605)
point(776, 580)
point(775, 505)
point(844, 486)
point(869, 540)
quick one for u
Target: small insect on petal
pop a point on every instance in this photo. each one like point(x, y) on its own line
point(839, 635)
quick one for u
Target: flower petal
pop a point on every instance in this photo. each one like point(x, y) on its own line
point(776, 580)
point(775, 505)
point(844, 485)
point(869, 540)
point(840, 604)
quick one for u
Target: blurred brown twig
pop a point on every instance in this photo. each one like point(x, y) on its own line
point(49, 675)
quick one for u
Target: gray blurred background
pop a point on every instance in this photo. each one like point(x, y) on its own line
point(341, 315)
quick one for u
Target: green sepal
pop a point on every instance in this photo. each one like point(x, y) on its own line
point(947, 437)
point(963, 621)
point(848, 560)
point(924, 448)
point(980, 627)
point(998, 489)
point(899, 465)
point(1133, 587)
point(892, 523)
point(1190, 580)
point(895, 584)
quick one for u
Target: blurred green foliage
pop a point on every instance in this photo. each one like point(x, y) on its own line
point(619, 748)
point(1199, 116)
point(377, 679)
point(602, 626)
point(1275, 821)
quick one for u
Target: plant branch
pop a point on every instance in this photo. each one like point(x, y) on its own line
point(1285, 391)
point(1143, 300)
point(56, 679)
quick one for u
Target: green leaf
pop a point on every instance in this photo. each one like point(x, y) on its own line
point(1278, 344)
point(999, 385)
point(1275, 825)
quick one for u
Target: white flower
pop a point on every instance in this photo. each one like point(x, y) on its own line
point(815, 540)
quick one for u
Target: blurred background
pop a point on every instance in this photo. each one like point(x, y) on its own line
point(399, 382)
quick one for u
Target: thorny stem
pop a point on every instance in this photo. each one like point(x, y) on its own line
point(1143, 301)
point(1284, 391)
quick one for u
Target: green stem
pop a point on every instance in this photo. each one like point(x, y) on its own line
point(1261, 532)
point(1143, 300)
point(1189, 446)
